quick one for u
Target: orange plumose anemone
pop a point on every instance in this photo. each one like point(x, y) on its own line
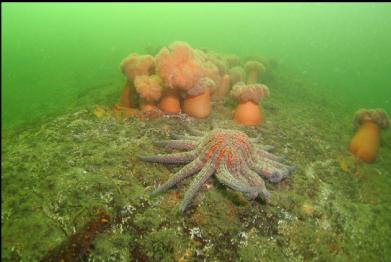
point(225, 84)
point(129, 98)
point(213, 67)
point(365, 143)
point(248, 111)
point(132, 66)
point(149, 89)
point(190, 72)
point(237, 74)
point(254, 71)
point(232, 60)
point(219, 61)
point(137, 65)
point(170, 102)
point(197, 101)
point(178, 66)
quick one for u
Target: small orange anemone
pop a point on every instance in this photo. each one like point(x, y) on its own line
point(237, 74)
point(197, 102)
point(150, 90)
point(211, 71)
point(254, 70)
point(224, 86)
point(248, 111)
point(219, 61)
point(125, 98)
point(129, 96)
point(232, 60)
point(170, 103)
point(365, 143)
point(137, 65)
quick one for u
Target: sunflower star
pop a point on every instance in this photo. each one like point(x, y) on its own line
point(234, 158)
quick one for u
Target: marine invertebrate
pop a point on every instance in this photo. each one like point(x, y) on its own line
point(230, 155)
point(170, 103)
point(211, 71)
point(225, 84)
point(137, 65)
point(197, 101)
point(129, 97)
point(248, 111)
point(150, 90)
point(219, 61)
point(254, 70)
point(232, 60)
point(133, 66)
point(178, 66)
point(185, 69)
point(237, 74)
point(365, 143)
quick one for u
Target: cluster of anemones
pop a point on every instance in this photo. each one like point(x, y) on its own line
point(179, 78)
point(182, 79)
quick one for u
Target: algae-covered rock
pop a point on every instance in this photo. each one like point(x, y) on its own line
point(57, 174)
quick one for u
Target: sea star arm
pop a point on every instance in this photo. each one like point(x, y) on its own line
point(195, 132)
point(184, 137)
point(177, 144)
point(264, 154)
point(265, 147)
point(272, 173)
point(256, 139)
point(278, 165)
point(196, 184)
point(226, 178)
point(174, 158)
point(186, 171)
point(254, 179)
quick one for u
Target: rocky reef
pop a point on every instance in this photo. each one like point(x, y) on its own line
point(59, 175)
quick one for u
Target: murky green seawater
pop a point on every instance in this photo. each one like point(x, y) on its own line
point(59, 167)
point(52, 52)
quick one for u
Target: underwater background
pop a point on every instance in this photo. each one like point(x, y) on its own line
point(53, 53)
point(61, 61)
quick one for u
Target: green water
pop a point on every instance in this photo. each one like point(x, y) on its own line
point(51, 52)
point(62, 164)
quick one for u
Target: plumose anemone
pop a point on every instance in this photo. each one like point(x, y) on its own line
point(248, 111)
point(365, 143)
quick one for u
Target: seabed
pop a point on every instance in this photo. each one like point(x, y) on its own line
point(73, 188)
